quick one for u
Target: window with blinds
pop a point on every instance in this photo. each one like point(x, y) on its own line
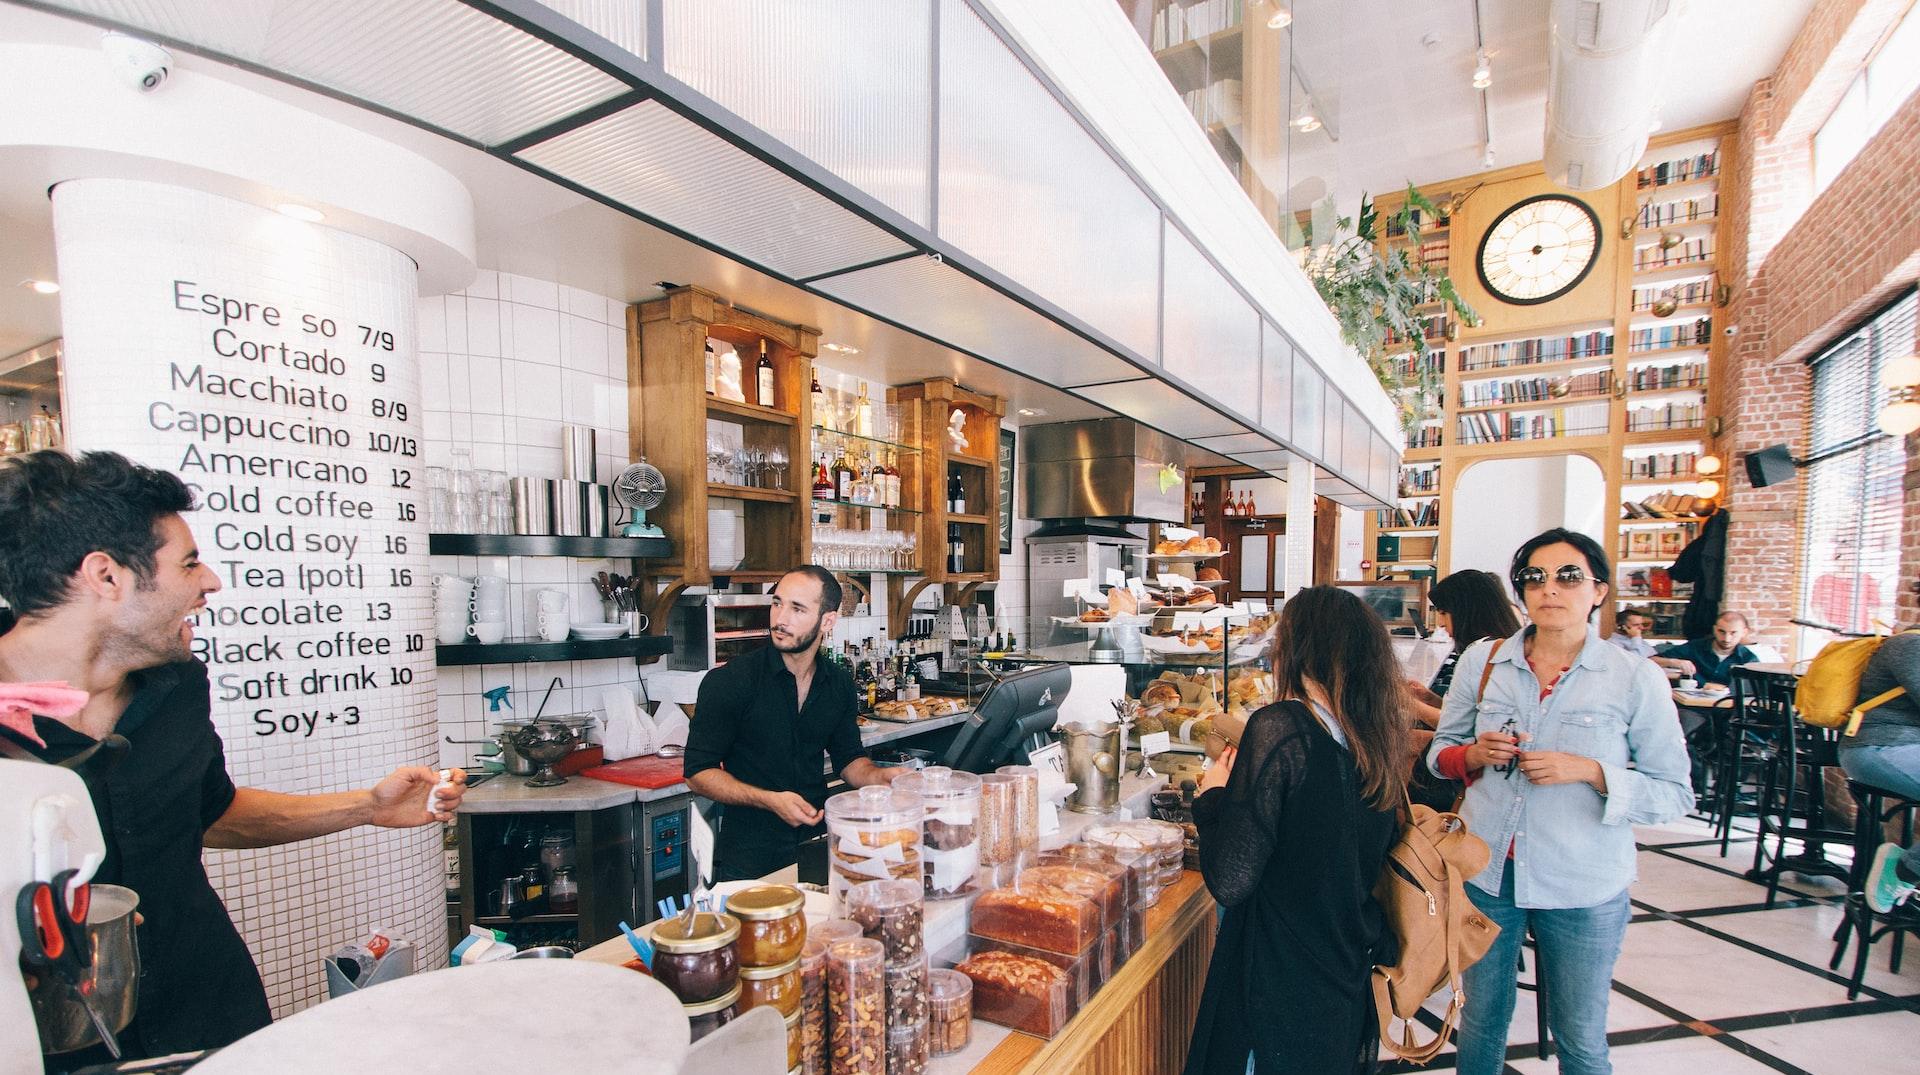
point(1850, 562)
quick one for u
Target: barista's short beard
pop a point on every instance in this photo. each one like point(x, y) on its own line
point(805, 641)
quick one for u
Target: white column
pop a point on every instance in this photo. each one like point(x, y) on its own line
point(271, 364)
point(1299, 524)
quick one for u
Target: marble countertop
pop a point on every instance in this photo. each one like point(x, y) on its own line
point(511, 795)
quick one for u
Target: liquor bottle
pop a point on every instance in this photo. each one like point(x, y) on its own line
point(892, 479)
point(956, 551)
point(822, 480)
point(1253, 508)
point(863, 486)
point(956, 494)
point(822, 410)
point(842, 476)
point(763, 377)
point(713, 368)
point(863, 413)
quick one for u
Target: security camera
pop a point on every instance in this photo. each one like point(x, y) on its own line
point(139, 63)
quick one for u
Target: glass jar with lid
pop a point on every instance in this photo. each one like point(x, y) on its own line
point(695, 957)
point(772, 924)
point(950, 995)
point(950, 834)
point(874, 835)
point(563, 892)
point(556, 852)
point(708, 1016)
point(775, 987)
point(856, 1007)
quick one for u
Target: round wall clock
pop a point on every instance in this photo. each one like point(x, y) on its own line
point(1538, 250)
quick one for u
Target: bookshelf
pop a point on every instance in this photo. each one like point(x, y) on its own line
point(1621, 369)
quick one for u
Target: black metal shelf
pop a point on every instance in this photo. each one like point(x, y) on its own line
point(523, 650)
point(542, 919)
point(586, 548)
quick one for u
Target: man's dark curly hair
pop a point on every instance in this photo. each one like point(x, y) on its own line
point(55, 509)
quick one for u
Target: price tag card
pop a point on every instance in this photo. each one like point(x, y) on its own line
point(1116, 577)
point(1177, 533)
point(1243, 606)
point(1051, 760)
point(1174, 582)
point(1138, 587)
point(1186, 621)
point(1156, 743)
point(1257, 606)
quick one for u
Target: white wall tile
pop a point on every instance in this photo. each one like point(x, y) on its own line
point(586, 347)
point(433, 323)
point(486, 285)
point(436, 392)
point(536, 390)
point(542, 293)
point(455, 323)
point(483, 327)
point(536, 334)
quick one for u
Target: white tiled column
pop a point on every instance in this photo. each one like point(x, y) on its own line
point(271, 364)
point(1299, 525)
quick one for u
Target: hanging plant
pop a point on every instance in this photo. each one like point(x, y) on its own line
point(1376, 298)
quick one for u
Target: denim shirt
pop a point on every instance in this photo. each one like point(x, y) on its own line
point(1572, 846)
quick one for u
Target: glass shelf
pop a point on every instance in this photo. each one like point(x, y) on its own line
point(869, 507)
point(822, 431)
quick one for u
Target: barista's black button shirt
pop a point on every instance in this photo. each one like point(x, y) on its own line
point(748, 721)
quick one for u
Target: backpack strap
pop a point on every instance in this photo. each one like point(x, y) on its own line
point(1860, 711)
point(1487, 672)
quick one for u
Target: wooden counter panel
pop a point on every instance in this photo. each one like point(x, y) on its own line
point(1140, 1022)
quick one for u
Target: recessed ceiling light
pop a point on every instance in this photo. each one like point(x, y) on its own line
point(840, 348)
point(42, 287)
point(297, 211)
point(1033, 412)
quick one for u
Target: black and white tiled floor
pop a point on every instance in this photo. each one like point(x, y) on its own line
point(1711, 981)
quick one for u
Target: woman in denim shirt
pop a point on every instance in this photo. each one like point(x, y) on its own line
point(1573, 743)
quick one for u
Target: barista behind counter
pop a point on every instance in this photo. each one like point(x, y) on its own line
point(761, 724)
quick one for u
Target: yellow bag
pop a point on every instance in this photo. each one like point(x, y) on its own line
point(1829, 690)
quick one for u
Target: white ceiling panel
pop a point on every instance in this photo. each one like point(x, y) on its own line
point(656, 162)
point(1237, 443)
point(1212, 338)
point(1275, 463)
point(949, 305)
point(1163, 407)
point(622, 22)
point(438, 61)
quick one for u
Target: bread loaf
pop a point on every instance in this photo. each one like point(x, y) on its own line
point(1018, 991)
point(1038, 917)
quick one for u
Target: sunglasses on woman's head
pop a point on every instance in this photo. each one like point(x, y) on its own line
point(1530, 577)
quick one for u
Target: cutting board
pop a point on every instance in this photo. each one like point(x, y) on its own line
point(646, 771)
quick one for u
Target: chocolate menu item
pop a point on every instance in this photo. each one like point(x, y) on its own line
point(1018, 991)
point(856, 1008)
point(813, 1005)
point(1038, 917)
point(907, 994)
point(907, 1049)
point(892, 913)
point(950, 1022)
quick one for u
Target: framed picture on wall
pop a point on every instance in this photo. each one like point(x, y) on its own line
point(1006, 492)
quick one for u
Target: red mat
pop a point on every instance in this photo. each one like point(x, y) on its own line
point(646, 771)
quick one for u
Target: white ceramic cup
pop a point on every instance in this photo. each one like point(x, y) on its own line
point(488, 631)
point(1686, 684)
point(551, 600)
point(554, 628)
point(451, 630)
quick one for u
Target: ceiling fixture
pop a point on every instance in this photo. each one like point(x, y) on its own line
point(41, 287)
point(1901, 377)
point(840, 348)
point(1707, 490)
point(1307, 121)
point(1033, 412)
point(1482, 70)
point(305, 213)
point(1281, 18)
point(1707, 464)
point(1486, 159)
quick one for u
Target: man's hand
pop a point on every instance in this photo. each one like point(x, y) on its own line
point(1493, 749)
point(792, 807)
point(1217, 773)
point(1544, 767)
point(414, 795)
point(1418, 692)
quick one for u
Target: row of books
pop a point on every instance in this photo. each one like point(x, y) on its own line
point(1666, 416)
point(1423, 437)
point(1668, 505)
point(1427, 514)
point(1435, 254)
point(1216, 102)
point(1536, 389)
point(1645, 542)
point(1432, 327)
point(1537, 350)
point(1494, 427)
point(1698, 333)
point(1174, 24)
point(1418, 481)
point(1678, 375)
point(1679, 170)
point(1679, 211)
point(1420, 220)
point(1659, 465)
point(1690, 293)
point(1410, 365)
point(1698, 248)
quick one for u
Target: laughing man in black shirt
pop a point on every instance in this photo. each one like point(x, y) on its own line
point(761, 725)
point(104, 579)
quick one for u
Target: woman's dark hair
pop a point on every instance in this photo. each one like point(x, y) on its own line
point(1478, 605)
point(1596, 557)
point(1329, 636)
point(55, 509)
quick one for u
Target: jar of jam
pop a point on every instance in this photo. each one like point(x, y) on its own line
point(772, 927)
point(706, 1017)
point(695, 957)
point(774, 987)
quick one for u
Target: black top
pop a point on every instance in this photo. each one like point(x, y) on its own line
point(199, 988)
point(1896, 723)
point(1443, 676)
point(1708, 666)
point(1292, 850)
point(748, 721)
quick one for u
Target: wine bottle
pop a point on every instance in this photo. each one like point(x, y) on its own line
point(822, 410)
point(713, 368)
point(956, 494)
point(956, 551)
point(763, 377)
point(822, 480)
point(842, 476)
point(863, 413)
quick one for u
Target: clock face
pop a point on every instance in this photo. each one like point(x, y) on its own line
point(1539, 250)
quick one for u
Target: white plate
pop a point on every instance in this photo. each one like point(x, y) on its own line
point(599, 631)
point(1178, 556)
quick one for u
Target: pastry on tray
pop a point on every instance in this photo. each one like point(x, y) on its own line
point(1121, 602)
point(1169, 548)
point(1095, 614)
point(1208, 574)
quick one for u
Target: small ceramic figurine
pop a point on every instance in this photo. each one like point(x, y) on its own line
point(957, 431)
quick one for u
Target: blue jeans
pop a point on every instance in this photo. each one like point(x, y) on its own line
point(1897, 769)
point(1577, 947)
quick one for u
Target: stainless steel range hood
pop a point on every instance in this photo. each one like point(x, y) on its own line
point(1106, 468)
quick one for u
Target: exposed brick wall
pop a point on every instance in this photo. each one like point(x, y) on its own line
point(1803, 270)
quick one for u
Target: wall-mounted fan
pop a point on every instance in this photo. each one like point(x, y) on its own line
point(640, 488)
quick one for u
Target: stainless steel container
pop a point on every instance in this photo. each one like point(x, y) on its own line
point(596, 510)
point(569, 503)
point(1093, 764)
point(579, 458)
point(532, 505)
point(59, 1014)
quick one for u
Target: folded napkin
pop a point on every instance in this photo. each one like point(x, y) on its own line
point(20, 701)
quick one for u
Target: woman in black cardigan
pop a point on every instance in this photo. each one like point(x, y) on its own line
point(1295, 825)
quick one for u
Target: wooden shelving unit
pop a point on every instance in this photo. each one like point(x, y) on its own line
point(669, 409)
point(1616, 298)
point(924, 477)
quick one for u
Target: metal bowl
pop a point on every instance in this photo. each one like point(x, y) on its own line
point(545, 951)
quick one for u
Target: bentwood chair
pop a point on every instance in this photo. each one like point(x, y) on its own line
point(1792, 803)
point(1875, 807)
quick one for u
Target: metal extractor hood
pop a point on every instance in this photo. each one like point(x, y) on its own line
point(1106, 468)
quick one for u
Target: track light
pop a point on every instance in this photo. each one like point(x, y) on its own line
point(1281, 18)
point(1482, 70)
point(1307, 121)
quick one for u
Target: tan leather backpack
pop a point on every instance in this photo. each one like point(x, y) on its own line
point(1422, 892)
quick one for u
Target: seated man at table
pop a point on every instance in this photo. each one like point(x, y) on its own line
point(1711, 660)
point(1630, 629)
